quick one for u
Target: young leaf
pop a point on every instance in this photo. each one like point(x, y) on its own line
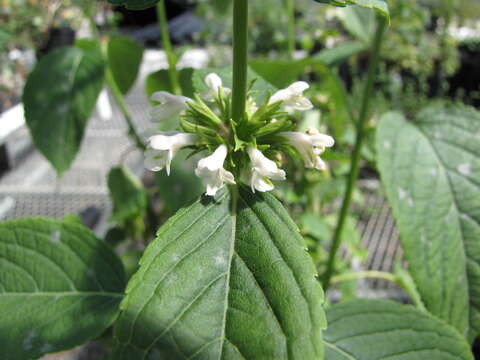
point(381, 330)
point(59, 97)
point(124, 59)
point(59, 287)
point(224, 281)
point(128, 195)
point(160, 81)
point(135, 4)
point(430, 170)
point(379, 5)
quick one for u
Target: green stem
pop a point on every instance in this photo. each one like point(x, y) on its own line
point(120, 100)
point(291, 28)
point(364, 274)
point(117, 94)
point(355, 162)
point(167, 47)
point(240, 43)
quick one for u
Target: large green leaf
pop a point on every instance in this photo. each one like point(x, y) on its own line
point(384, 330)
point(430, 168)
point(135, 4)
point(220, 285)
point(59, 97)
point(379, 5)
point(124, 59)
point(59, 287)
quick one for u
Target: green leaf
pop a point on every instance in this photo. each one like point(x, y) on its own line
point(124, 59)
point(59, 287)
point(135, 4)
point(379, 5)
point(380, 330)
point(340, 53)
point(160, 81)
point(215, 284)
point(59, 97)
point(360, 22)
point(128, 195)
point(430, 170)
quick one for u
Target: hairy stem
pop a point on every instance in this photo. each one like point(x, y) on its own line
point(355, 161)
point(240, 43)
point(167, 47)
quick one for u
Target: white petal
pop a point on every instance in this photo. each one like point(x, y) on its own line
point(170, 105)
point(164, 97)
point(160, 142)
point(214, 82)
point(228, 177)
point(261, 184)
point(210, 170)
point(300, 103)
point(214, 161)
point(299, 87)
point(280, 95)
point(323, 140)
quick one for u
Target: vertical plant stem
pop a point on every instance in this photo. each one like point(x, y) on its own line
point(355, 162)
point(120, 100)
point(291, 28)
point(89, 12)
point(167, 47)
point(240, 46)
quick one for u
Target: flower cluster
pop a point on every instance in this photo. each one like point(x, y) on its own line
point(240, 151)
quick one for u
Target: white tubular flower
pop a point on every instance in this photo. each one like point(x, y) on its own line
point(263, 169)
point(162, 149)
point(292, 97)
point(170, 105)
point(215, 83)
point(212, 173)
point(310, 145)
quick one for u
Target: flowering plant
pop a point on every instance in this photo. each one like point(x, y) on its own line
point(229, 276)
point(238, 147)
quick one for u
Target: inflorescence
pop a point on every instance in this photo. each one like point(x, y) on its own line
point(239, 151)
